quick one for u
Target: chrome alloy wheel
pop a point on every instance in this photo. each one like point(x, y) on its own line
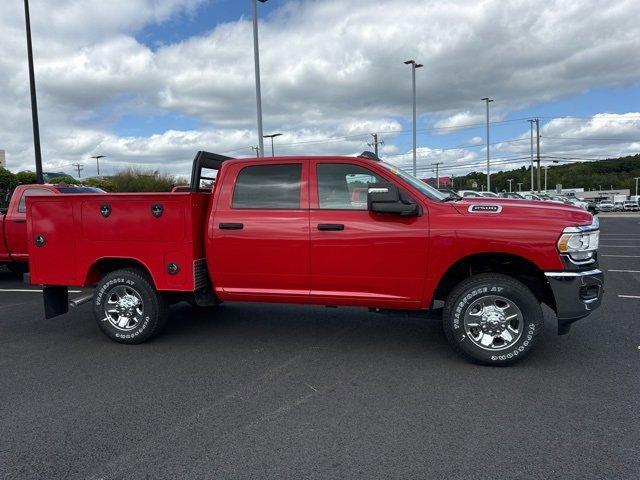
point(493, 323)
point(124, 308)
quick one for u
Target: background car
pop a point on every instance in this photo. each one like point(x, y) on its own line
point(618, 206)
point(630, 206)
point(515, 195)
point(606, 206)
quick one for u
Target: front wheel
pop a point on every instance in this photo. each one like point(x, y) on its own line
point(492, 319)
point(128, 308)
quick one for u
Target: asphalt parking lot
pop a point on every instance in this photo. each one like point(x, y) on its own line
point(267, 391)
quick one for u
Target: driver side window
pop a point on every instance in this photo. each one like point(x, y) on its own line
point(342, 186)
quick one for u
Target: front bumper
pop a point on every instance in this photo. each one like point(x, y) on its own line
point(576, 295)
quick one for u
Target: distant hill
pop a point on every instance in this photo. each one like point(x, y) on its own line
point(616, 172)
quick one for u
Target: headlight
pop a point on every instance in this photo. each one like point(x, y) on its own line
point(580, 243)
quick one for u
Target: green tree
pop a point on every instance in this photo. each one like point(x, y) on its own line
point(26, 177)
point(8, 182)
point(139, 180)
point(102, 183)
point(67, 180)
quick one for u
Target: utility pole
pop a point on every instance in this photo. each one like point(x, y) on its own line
point(414, 65)
point(79, 167)
point(531, 125)
point(97, 158)
point(375, 143)
point(636, 179)
point(519, 186)
point(509, 180)
point(487, 100)
point(272, 136)
point(437, 165)
point(34, 101)
point(546, 168)
point(538, 149)
point(256, 59)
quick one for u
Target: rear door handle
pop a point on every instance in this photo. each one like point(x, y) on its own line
point(327, 227)
point(231, 226)
point(19, 220)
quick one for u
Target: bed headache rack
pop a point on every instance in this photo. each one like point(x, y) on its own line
point(205, 160)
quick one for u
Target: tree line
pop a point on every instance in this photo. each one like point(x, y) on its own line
point(592, 175)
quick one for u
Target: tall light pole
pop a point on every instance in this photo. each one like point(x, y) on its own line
point(256, 58)
point(531, 124)
point(414, 65)
point(546, 168)
point(34, 102)
point(272, 136)
point(519, 186)
point(636, 179)
point(487, 100)
point(97, 158)
point(510, 180)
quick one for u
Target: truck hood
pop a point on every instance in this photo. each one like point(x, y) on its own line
point(521, 210)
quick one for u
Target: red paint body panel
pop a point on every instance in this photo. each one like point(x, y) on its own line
point(13, 225)
point(376, 260)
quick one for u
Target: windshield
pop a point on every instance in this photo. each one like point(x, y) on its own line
point(428, 190)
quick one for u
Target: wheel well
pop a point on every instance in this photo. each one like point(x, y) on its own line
point(516, 267)
point(105, 266)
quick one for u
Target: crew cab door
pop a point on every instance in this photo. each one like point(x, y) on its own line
point(15, 222)
point(359, 257)
point(258, 239)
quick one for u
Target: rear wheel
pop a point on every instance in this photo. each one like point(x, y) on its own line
point(492, 319)
point(128, 308)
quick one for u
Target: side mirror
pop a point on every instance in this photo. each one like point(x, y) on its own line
point(385, 198)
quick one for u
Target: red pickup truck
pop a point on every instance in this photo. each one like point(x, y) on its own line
point(13, 222)
point(289, 230)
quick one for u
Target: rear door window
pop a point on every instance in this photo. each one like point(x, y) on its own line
point(268, 187)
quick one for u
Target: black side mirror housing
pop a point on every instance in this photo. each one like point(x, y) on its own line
point(386, 198)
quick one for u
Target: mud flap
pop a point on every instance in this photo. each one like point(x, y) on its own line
point(56, 301)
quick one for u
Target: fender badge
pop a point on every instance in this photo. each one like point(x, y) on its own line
point(482, 208)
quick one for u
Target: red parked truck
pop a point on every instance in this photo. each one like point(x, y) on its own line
point(13, 222)
point(289, 230)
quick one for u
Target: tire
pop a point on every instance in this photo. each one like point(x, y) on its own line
point(129, 292)
point(18, 269)
point(492, 319)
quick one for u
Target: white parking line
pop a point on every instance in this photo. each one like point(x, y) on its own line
point(624, 271)
point(620, 256)
point(621, 246)
point(25, 290)
point(629, 296)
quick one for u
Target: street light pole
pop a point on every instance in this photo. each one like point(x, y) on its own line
point(34, 102)
point(256, 58)
point(97, 158)
point(487, 100)
point(636, 179)
point(509, 180)
point(272, 136)
point(414, 65)
point(532, 180)
point(519, 186)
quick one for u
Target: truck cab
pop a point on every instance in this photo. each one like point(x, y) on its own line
point(297, 230)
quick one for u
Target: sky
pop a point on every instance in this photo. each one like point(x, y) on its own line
point(148, 83)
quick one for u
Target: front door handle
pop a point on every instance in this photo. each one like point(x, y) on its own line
point(19, 220)
point(231, 226)
point(329, 227)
